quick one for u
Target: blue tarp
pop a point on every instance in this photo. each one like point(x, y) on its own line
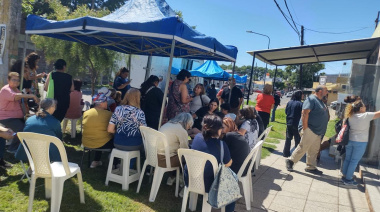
point(211, 70)
point(143, 27)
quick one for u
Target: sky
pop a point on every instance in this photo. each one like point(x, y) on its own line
point(228, 22)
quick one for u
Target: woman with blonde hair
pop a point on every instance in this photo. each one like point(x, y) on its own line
point(250, 127)
point(239, 148)
point(265, 102)
point(199, 99)
point(125, 122)
point(359, 121)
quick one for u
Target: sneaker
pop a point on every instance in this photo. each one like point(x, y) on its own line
point(181, 192)
point(170, 181)
point(349, 182)
point(314, 171)
point(12, 151)
point(5, 164)
point(289, 165)
point(116, 171)
point(95, 164)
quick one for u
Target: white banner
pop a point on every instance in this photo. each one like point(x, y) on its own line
point(2, 41)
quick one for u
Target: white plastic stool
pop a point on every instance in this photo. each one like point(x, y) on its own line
point(125, 179)
point(73, 126)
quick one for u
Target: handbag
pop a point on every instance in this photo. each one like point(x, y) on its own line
point(225, 187)
point(50, 90)
point(343, 135)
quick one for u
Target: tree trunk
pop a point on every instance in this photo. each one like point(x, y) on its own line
point(92, 4)
point(93, 77)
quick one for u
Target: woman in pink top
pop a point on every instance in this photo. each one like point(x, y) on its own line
point(265, 102)
point(11, 114)
point(75, 108)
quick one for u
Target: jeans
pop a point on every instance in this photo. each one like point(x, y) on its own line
point(354, 152)
point(17, 125)
point(108, 145)
point(2, 147)
point(265, 117)
point(230, 207)
point(273, 113)
point(291, 131)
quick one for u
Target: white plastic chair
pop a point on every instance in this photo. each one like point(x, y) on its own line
point(196, 162)
point(265, 135)
point(151, 138)
point(73, 126)
point(54, 173)
point(246, 180)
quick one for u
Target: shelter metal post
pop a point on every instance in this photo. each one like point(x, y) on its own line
point(167, 82)
point(23, 63)
point(233, 76)
point(274, 79)
point(250, 81)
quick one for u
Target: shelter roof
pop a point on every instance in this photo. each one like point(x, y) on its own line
point(325, 52)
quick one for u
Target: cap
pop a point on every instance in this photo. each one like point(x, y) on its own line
point(104, 91)
point(99, 98)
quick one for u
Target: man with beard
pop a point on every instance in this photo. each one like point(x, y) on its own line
point(314, 121)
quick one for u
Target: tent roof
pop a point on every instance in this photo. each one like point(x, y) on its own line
point(210, 69)
point(326, 52)
point(143, 27)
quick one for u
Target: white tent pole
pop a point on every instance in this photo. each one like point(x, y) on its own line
point(167, 82)
point(23, 63)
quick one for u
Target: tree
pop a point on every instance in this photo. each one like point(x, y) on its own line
point(110, 5)
point(309, 74)
point(81, 58)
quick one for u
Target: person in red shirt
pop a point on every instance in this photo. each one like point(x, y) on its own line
point(265, 102)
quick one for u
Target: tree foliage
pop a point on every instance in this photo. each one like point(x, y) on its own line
point(82, 59)
point(110, 5)
point(310, 74)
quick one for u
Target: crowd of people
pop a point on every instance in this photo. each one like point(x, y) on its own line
point(205, 118)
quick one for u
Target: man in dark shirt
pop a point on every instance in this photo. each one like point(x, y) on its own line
point(236, 96)
point(277, 101)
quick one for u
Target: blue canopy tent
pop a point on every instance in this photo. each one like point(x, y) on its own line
point(143, 27)
point(211, 70)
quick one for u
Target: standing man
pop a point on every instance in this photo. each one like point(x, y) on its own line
point(236, 96)
point(277, 101)
point(314, 124)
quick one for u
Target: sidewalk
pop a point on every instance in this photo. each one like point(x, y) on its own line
point(276, 189)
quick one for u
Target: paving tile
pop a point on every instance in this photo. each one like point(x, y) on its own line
point(343, 208)
point(275, 173)
point(312, 206)
point(262, 200)
point(292, 194)
point(352, 198)
point(287, 202)
point(298, 177)
point(282, 208)
point(323, 197)
point(295, 187)
point(329, 187)
point(268, 185)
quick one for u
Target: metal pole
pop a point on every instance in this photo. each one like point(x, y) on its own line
point(23, 63)
point(233, 76)
point(274, 79)
point(167, 82)
point(302, 42)
point(250, 81)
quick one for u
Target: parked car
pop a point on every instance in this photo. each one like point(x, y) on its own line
point(289, 94)
point(333, 105)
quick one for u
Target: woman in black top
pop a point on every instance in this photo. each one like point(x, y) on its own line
point(212, 108)
point(151, 101)
point(238, 146)
point(63, 85)
point(293, 115)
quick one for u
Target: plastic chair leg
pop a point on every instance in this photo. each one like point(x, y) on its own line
point(31, 193)
point(247, 193)
point(64, 125)
point(177, 183)
point(56, 197)
point(110, 164)
point(184, 200)
point(80, 185)
point(158, 174)
point(141, 177)
point(73, 128)
point(125, 171)
point(48, 188)
point(193, 201)
point(251, 187)
point(205, 206)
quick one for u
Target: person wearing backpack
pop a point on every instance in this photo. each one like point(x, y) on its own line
point(151, 101)
point(359, 121)
point(199, 99)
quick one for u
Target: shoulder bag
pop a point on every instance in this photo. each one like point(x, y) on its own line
point(50, 90)
point(225, 188)
point(343, 135)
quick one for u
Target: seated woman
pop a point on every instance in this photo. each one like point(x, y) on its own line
point(44, 123)
point(208, 141)
point(176, 135)
point(125, 122)
point(75, 107)
point(95, 123)
point(200, 99)
point(239, 148)
point(250, 128)
point(212, 108)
